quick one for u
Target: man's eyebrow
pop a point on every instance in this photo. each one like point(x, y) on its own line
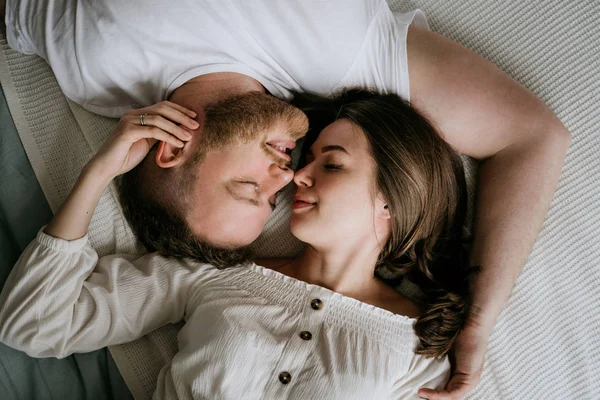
point(333, 147)
point(237, 196)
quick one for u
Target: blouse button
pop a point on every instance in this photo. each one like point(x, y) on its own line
point(316, 304)
point(285, 378)
point(306, 335)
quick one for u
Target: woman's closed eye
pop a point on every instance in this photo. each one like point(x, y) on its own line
point(332, 167)
point(309, 158)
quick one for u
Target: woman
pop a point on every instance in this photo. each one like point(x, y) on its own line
point(380, 189)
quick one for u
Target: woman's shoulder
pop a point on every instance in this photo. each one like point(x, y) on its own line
point(393, 301)
point(276, 264)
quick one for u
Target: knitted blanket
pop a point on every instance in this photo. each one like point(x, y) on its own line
point(546, 344)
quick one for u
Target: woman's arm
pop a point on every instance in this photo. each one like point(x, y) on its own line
point(521, 146)
point(125, 149)
point(60, 298)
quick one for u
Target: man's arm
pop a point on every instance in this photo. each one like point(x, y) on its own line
point(521, 146)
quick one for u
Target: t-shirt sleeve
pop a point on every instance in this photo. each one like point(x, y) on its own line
point(25, 23)
point(382, 63)
point(431, 373)
point(60, 298)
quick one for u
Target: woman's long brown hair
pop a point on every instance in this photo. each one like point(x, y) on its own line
point(423, 181)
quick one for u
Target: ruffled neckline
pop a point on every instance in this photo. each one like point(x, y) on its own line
point(349, 301)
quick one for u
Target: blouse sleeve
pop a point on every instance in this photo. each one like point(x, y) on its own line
point(432, 373)
point(60, 298)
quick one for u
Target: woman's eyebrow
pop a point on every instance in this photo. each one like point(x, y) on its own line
point(334, 147)
point(325, 149)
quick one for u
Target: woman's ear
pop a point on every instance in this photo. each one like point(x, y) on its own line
point(381, 207)
point(168, 156)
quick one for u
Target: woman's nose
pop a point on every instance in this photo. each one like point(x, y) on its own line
point(302, 177)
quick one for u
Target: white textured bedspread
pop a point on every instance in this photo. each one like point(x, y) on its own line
point(546, 344)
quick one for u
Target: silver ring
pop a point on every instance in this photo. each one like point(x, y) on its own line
point(142, 122)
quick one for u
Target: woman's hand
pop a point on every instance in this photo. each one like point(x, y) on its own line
point(467, 357)
point(137, 132)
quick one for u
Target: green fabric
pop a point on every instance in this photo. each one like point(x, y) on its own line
point(23, 211)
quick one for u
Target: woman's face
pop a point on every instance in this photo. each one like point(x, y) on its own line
point(334, 195)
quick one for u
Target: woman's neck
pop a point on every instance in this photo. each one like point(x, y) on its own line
point(349, 271)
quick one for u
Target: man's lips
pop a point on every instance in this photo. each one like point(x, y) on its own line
point(282, 144)
point(282, 147)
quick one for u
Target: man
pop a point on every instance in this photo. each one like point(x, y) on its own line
point(115, 56)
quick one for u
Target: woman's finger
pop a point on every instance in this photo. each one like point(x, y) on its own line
point(163, 136)
point(186, 111)
point(453, 390)
point(166, 110)
point(433, 395)
point(181, 108)
point(152, 132)
point(167, 126)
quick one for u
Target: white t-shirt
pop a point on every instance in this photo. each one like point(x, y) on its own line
point(113, 55)
point(249, 333)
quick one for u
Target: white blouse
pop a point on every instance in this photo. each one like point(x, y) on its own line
point(249, 332)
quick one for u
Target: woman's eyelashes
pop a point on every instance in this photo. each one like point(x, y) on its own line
point(332, 167)
point(326, 164)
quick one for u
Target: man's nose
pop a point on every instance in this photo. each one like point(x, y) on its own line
point(279, 176)
point(303, 177)
point(281, 171)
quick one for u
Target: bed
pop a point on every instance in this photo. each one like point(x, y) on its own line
point(546, 344)
point(23, 210)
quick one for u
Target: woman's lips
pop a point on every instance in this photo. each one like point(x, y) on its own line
point(299, 204)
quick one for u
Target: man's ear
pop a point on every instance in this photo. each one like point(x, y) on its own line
point(168, 156)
